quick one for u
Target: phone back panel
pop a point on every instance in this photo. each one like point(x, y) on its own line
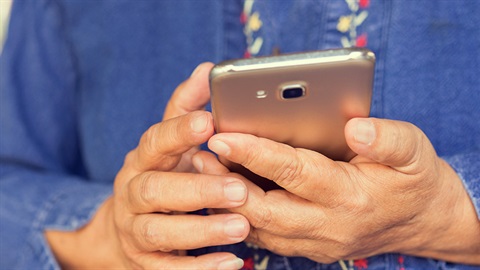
point(251, 101)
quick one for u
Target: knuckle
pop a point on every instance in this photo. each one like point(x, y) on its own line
point(347, 244)
point(357, 204)
point(354, 196)
point(148, 233)
point(363, 204)
point(149, 140)
point(290, 171)
point(252, 156)
point(406, 142)
point(262, 219)
point(148, 191)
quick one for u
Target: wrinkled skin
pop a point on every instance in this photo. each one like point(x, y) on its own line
point(395, 195)
point(144, 224)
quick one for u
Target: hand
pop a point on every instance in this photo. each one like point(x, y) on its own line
point(140, 226)
point(396, 195)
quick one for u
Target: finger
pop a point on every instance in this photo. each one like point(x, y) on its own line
point(281, 213)
point(159, 232)
point(170, 191)
point(220, 260)
point(267, 211)
point(300, 171)
point(191, 95)
point(161, 146)
point(207, 163)
point(398, 144)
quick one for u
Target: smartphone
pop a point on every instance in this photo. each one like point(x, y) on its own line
point(301, 99)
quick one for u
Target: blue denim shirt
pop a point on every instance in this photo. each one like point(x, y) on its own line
point(80, 81)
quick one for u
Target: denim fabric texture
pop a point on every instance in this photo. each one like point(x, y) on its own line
point(80, 81)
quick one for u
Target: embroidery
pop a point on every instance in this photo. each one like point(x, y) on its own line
point(344, 266)
point(258, 262)
point(261, 264)
point(252, 24)
point(248, 264)
point(361, 264)
point(349, 24)
point(401, 261)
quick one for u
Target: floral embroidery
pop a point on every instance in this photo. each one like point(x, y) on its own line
point(257, 262)
point(349, 24)
point(248, 264)
point(252, 24)
point(261, 264)
point(401, 261)
point(361, 264)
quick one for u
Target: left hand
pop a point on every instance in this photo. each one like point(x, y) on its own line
point(396, 195)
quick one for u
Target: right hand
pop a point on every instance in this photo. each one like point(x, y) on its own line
point(144, 222)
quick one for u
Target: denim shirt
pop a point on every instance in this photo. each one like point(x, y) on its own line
point(80, 81)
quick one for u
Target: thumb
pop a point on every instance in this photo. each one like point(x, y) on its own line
point(397, 144)
point(191, 95)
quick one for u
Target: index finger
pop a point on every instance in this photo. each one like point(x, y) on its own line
point(169, 191)
point(305, 173)
point(161, 146)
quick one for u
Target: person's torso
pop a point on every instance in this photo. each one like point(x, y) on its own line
point(137, 52)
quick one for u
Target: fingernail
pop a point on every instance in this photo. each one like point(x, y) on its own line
point(235, 264)
point(219, 147)
point(195, 71)
point(365, 132)
point(199, 124)
point(197, 163)
point(234, 228)
point(235, 191)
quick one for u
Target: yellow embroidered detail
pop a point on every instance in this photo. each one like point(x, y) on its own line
point(344, 23)
point(348, 24)
point(254, 22)
point(263, 264)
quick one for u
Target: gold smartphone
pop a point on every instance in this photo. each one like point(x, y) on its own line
point(301, 99)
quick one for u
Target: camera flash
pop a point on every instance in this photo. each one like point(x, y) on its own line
point(261, 94)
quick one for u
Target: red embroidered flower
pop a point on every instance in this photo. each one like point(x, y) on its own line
point(364, 3)
point(243, 18)
point(401, 260)
point(361, 264)
point(248, 264)
point(361, 40)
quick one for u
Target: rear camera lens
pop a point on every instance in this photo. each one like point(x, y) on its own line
point(293, 92)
